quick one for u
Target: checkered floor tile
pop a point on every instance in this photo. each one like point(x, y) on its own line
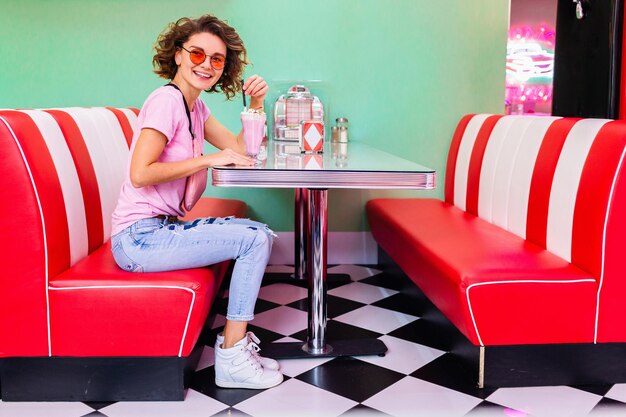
point(417, 377)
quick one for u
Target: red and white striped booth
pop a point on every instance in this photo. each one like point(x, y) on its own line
point(64, 303)
point(527, 247)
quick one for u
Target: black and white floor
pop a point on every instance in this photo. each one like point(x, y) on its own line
point(416, 377)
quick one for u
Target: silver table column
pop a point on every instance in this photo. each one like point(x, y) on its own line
point(301, 234)
point(317, 236)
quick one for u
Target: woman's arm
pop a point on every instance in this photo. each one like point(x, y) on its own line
point(219, 136)
point(146, 170)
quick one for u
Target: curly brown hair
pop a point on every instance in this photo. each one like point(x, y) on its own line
point(179, 32)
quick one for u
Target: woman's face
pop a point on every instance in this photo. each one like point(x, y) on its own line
point(204, 75)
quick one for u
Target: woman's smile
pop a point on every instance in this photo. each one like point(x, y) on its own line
point(203, 75)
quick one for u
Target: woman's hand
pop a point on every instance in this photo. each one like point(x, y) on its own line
point(222, 138)
point(227, 157)
point(256, 88)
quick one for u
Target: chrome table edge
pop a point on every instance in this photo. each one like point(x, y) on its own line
point(225, 177)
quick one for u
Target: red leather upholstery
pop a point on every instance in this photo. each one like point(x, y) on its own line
point(216, 207)
point(61, 293)
point(483, 277)
point(525, 249)
point(23, 303)
point(111, 312)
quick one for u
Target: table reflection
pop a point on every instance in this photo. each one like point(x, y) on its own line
point(339, 153)
point(287, 155)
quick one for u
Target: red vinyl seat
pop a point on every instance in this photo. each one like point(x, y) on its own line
point(495, 287)
point(216, 207)
point(61, 293)
point(151, 314)
point(524, 249)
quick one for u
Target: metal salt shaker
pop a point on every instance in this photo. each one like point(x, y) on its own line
point(342, 127)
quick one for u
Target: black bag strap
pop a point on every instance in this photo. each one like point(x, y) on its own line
point(186, 108)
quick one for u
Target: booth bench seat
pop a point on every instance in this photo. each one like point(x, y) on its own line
point(73, 325)
point(525, 254)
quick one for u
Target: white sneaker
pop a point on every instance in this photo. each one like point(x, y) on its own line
point(238, 367)
point(267, 363)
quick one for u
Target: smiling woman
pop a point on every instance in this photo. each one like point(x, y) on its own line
point(168, 173)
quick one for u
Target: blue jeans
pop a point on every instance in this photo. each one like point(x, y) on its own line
point(154, 245)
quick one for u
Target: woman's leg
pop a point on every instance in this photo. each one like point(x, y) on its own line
point(152, 245)
point(234, 331)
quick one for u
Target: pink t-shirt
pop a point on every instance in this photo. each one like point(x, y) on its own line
point(164, 111)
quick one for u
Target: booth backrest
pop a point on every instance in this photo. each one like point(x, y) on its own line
point(556, 182)
point(60, 175)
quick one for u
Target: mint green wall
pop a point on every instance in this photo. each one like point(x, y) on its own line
point(402, 71)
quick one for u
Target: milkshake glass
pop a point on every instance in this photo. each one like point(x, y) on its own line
point(253, 124)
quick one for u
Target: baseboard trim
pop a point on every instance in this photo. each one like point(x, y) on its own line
point(343, 248)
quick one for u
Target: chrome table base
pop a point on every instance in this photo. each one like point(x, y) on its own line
point(311, 239)
point(301, 245)
point(301, 218)
point(336, 348)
